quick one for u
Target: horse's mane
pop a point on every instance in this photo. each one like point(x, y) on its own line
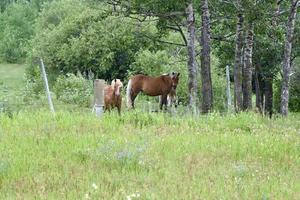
point(116, 81)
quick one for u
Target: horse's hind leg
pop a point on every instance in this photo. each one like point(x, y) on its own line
point(133, 96)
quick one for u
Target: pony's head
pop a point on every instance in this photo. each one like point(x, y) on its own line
point(175, 79)
point(117, 85)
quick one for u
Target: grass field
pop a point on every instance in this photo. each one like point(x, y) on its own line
point(12, 76)
point(74, 155)
point(150, 156)
point(11, 83)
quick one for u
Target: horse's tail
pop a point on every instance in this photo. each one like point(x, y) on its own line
point(128, 94)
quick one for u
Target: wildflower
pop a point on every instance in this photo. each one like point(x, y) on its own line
point(141, 162)
point(128, 197)
point(134, 195)
point(87, 196)
point(94, 186)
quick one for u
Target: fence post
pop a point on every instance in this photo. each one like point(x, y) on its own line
point(44, 75)
point(229, 105)
point(99, 85)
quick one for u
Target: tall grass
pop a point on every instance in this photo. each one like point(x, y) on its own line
point(74, 155)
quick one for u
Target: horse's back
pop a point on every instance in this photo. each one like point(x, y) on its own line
point(152, 86)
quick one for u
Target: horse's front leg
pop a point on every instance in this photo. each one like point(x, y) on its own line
point(163, 101)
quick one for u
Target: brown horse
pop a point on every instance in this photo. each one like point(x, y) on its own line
point(151, 86)
point(112, 95)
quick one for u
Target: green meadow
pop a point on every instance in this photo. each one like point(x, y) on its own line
point(74, 155)
point(140, 155)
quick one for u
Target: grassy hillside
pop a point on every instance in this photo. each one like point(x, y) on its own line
point(148, 156)
point(11, 80)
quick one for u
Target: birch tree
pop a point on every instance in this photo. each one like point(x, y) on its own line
point(286, 67)
point(192, 66)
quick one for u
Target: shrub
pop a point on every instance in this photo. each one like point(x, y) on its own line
point(76, 36)
point(34, 86)
point(73, 89)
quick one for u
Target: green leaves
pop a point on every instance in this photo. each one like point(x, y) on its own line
point(16, 28)
point(90, 39)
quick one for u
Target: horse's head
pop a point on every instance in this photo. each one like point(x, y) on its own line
point(175, 79)
point(117, 85)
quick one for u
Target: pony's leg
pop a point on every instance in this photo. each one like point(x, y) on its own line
point(119, 109)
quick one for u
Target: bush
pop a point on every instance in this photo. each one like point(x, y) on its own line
point(73, 89)
point(76, 36)
point(34, 86)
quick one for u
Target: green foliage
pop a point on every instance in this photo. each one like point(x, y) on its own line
point(89, 39)
point(16, 28)
point(294, 102)
point(73, 89)
point(34, 86)
point(152, 63)
point(4, 101)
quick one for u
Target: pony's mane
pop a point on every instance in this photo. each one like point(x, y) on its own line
point(116, 81)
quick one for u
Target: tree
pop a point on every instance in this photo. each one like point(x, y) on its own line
point(192, 66)
point(93, 40)
point(247, 71)
point(287, 58)
point(16, 28)
point(207, 93)
point(238, 64)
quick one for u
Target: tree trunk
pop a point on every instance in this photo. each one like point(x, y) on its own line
point(192, 66)
point(237, 73)
point(287, 57)
point(207, 93)
point(268, 90)
point(258, 88)
point(247, 72)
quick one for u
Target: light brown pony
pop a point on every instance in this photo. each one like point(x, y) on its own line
point(112, 95)
point(172, 98)
point(151, 86)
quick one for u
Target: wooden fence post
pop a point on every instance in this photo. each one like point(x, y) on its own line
point(99, 85)
point(229, 105)
point(44, 75)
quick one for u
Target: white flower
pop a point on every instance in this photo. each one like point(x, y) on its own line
point(141, 162)
point(86, 196)
point(134, 195)
point(94, 186)
point(128, 197)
